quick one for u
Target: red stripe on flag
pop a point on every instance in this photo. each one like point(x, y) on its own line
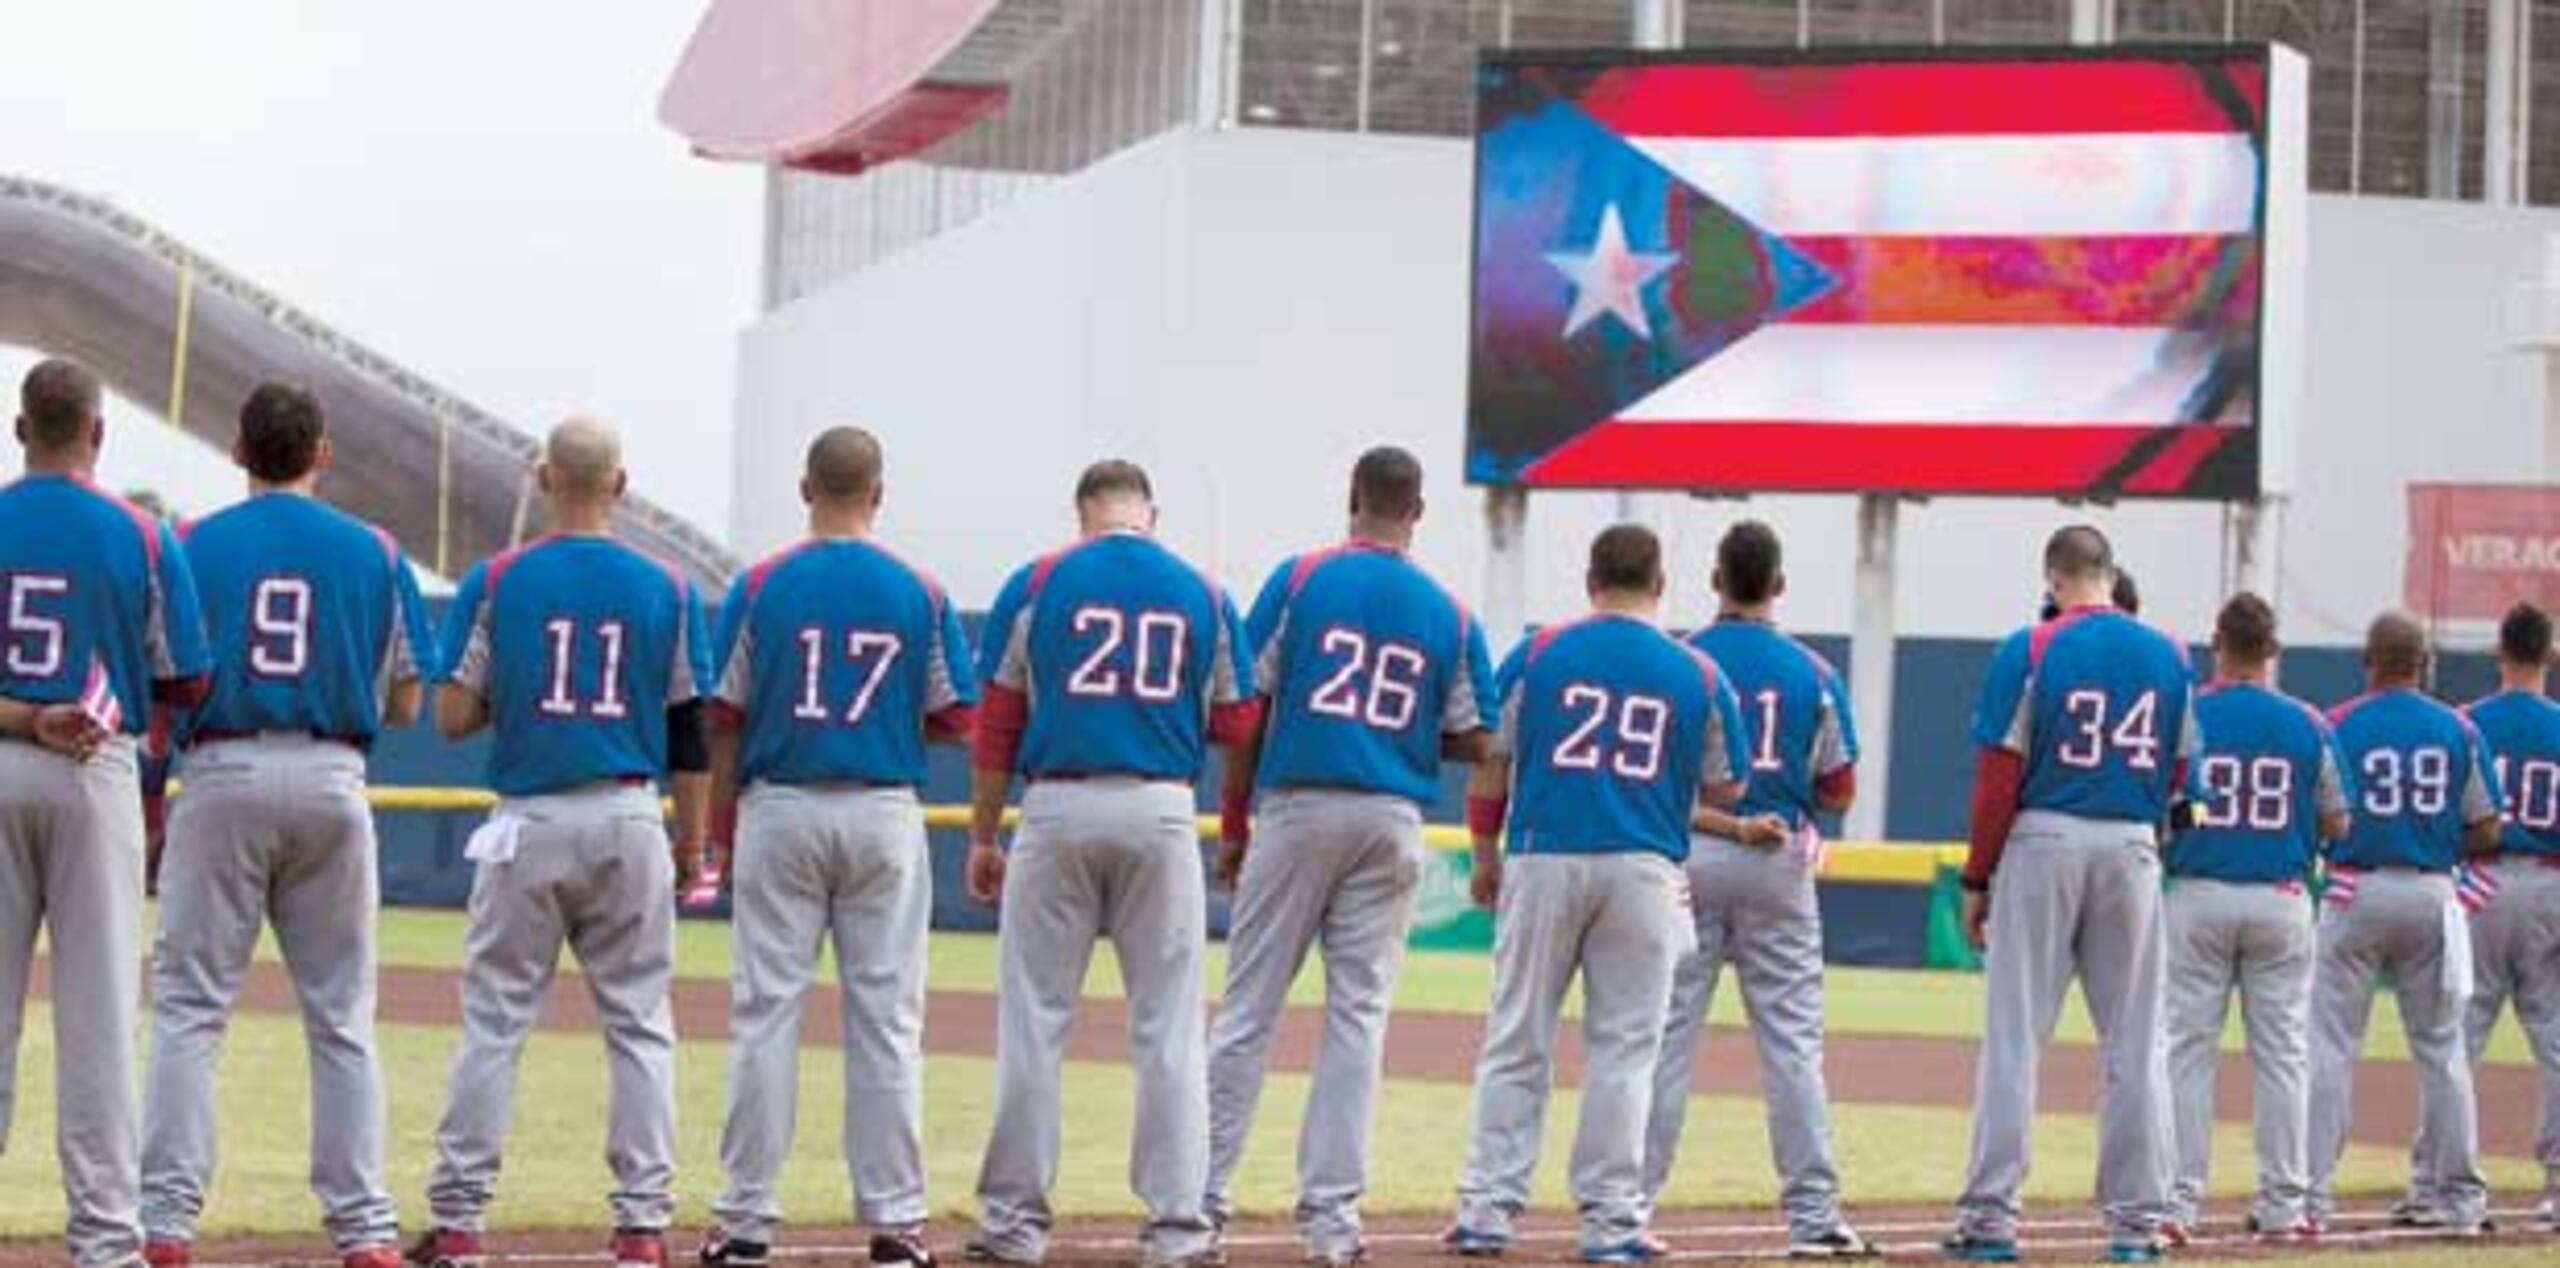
point(1930, 98)
point(1838, 457)
point(2177, 280)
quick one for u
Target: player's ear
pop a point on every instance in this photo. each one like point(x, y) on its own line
point(621, 482)
point(323, 456)
point(240, 453)
point(1778, 584)
point(542, 477)
point(806, 497)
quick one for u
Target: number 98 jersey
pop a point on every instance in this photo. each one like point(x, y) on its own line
point(2101, 706)
point(313, 615)
point(2268, 773)
point(1613, 727)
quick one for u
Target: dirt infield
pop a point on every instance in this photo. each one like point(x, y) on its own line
point(1908, 1234)
point(1441, 1047)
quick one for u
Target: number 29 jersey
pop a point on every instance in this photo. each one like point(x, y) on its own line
point(313, 615)
point(1613, 727)
point(580, 644)
point(2102, 709)
point(1119, 652)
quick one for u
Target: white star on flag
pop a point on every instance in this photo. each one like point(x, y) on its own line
point(1611, 278)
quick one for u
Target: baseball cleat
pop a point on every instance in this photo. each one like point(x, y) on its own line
point(168, 1253)
point(382, 1256)
point(720, 1250)
point(1213, 1255)
point(448, 1248)
point(1839, 1242)
point(1968, 1248)
point(1338, 1256)
point(2172, 1234)
point(639, 1248)
point(901, 1246)
point(2548, 1214)
point(981, 1251)
point(1643, 1248)
point(2148, 1250)
point(2301, 1230)
point(2414, 1214)
point(1475, 1243)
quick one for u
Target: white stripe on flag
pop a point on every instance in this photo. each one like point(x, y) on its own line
point(1938, 375)
point(2067, 185)
point(98, 698)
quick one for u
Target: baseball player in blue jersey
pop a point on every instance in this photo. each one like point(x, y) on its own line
point(1612, 733)
point(1108, 667)
point(2086, 726)
point(2515, 938)
point(2271, 788)
point(318, 643)
point(98, 622)
point(586, 659)
point(1371, 675)
point(837, 662)
point(1751, 891)
point(2424, 796)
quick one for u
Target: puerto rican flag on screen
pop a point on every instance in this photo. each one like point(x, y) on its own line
point(1956, 273)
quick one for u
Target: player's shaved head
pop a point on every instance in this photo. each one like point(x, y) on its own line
point(1625, 559)
point(2524, 637)
point(1386, 484)
point(1749, 563)
point(58, 406)
point(2078, 553)
point(582, 459)
point(844, 465)
point(2395, 648)
point(280, 433)
point(1113, 479)
point(2244, 632)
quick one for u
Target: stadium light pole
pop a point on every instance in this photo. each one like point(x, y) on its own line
point(1874, 633)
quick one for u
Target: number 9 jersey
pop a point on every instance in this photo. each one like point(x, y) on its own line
point(2102, 709)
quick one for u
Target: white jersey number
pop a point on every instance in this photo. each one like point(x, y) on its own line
point(35, 637)
point(561, 635)
point(1392, 692)
point(875, 650)
point(2255, 793)
point(2096, 728)
point(1145, 662)
point(2420, 782)
point(1634, 749)
point(280, 627)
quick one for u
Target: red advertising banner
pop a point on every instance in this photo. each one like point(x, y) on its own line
point(2475, 549)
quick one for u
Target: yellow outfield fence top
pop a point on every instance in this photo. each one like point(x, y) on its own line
point(1888, 863)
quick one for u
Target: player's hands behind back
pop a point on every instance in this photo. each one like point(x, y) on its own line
point(1977, 919)
point(985, 872)
point(1762, 831)
point(68, 729)
point(1230, 862)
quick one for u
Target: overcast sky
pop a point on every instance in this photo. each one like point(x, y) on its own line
point(478, 188)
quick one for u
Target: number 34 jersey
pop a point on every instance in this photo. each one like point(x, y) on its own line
point(312, 615)
point(579, 644)
point(2269, 772)
point(2102, 709)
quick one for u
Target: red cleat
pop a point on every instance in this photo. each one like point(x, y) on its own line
point(168, 1254)
point(371, 1257)
point(448, 1248)
point(639, 1248)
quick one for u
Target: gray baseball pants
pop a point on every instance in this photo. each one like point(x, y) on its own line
point(2515, 950)
point(2256, 939)
point(814, 864)
point(2074, 898)
point(1620, 922)
point(591, 871)
point(2395, 931)
point(1101, 858)
point(71, 860)
point(268, 829)
point(1756, 910)
point(1336, 869)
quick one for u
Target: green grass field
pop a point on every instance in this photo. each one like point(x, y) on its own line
point(1859, 1001)
point(555, 1173)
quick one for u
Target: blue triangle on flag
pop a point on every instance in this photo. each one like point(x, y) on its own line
point(1548, 175)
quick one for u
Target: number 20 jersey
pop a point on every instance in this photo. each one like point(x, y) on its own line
point(832, 655)
point(2102, 709)
point(1119, 650)
point(312, 613)
point(580, 644)
point(1368, 663)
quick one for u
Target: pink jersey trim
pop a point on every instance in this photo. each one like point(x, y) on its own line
point(2041, 637)
point(145, 523)
point(2338, 713)
point(390, 545)
point(764, 568)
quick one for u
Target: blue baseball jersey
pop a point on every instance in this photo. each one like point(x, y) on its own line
point(833, 655)
point(2522, 732)
point(1118, 650)
point(1796, 725)
point(2102, 709)
point(313, 615)
point(1613, 727)
point(2269, 771)
point(92, 584)
point(1368, 664)
point(580, 644)
point(2421, 774)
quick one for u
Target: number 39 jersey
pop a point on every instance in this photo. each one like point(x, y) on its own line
point(1119, 650)
point(832, 655)
point(580, 644)
point(313, 615)
point(2420, 775)
point(2268, 772)
point(1613, 727)
point(2102, 708)
point(2522, 730)
point(1368, 663)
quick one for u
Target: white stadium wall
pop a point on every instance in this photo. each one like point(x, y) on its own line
point(1244, 311)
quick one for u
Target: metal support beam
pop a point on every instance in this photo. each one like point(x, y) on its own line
point(2093, 21)
point(1506, 562)
point(1873, 633)
point(1213, 77)
point(2509, 104)
point(2445, 56)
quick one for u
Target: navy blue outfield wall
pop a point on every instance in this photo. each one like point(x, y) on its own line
point(1936, 680)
